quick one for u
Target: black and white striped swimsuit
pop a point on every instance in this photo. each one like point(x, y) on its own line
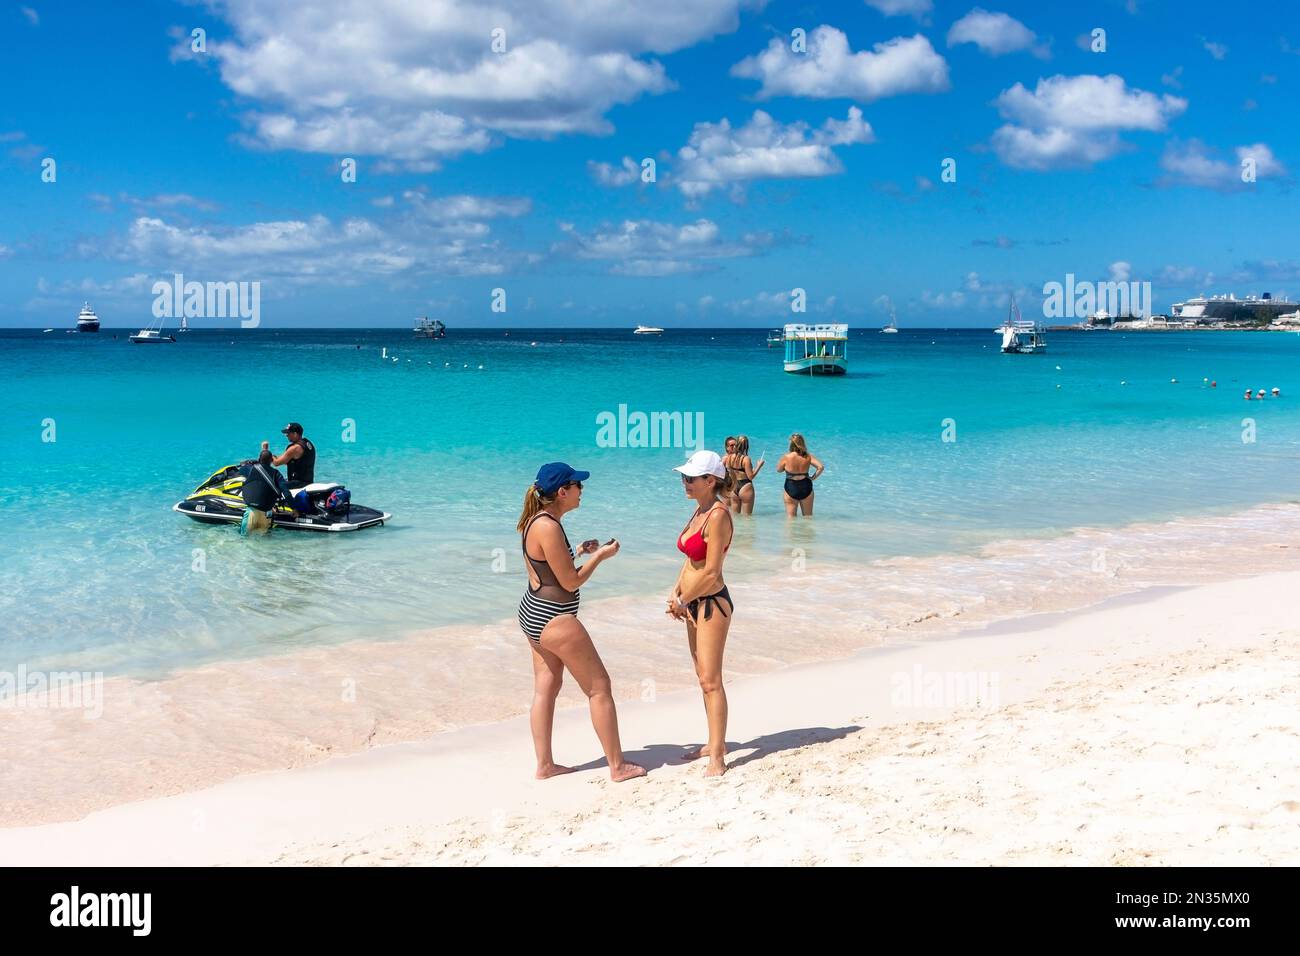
point(539, 607)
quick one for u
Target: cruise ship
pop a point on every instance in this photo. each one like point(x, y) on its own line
point(1263, 308)
point(87, 321)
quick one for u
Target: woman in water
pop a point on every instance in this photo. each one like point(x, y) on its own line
point(548, 617)
point(796, 463)
point(700, 596)
point(743, 472)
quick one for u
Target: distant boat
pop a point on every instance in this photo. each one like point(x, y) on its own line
point(184, 325)
point(87, 321)
point(1021, 336)
point(47, 330)
point(647, 330)
point(426, 328)
point(892, 327)
point(151, 336)
point(775, 337)
point(816, 349)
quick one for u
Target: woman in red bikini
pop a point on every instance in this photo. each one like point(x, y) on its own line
point(700, 596)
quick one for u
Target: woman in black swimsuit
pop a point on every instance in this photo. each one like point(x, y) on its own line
point(797, 464)
point(743, 471)
point(548, 618)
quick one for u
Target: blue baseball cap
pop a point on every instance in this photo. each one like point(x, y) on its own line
point(556, 473)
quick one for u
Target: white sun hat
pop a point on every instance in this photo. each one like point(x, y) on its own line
point(703, 463)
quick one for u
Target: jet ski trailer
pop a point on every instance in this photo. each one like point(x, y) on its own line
point(219, 500)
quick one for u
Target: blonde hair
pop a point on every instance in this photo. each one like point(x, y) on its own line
point(742, 445)
point(798, 445)
point(534, 501)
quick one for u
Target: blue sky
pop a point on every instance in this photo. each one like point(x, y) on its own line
point(480, 169)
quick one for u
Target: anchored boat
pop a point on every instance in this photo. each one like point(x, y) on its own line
point(1021, 336)
point(816, 349)
point(426, 328)
point(647, 330)
point(87, 321)
point(151, 336)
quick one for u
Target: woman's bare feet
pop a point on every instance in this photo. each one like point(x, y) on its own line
point(626, 771)
point(546, 771)
point(716, 768)
point(695, 753)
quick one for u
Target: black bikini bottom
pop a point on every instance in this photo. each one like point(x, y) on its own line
point(710, 602)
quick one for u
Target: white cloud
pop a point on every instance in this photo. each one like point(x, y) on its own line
point(1192, 164)
point(1075, 120)
point(1120, 271)
point(830, 69)
point(417, 82)
point(1172, 78)
point(775, 304)
point(144, 204)
point(32, 16)
point(5, 251)
point(643, 247)
point(443, 235)
point(1216, 50)
point(894, 8)
point(716, 155)
point(605, 174)
point(995, 34)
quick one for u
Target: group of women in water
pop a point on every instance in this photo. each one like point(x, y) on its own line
point(548, 612)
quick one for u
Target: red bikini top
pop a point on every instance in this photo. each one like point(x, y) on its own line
point(695, 547)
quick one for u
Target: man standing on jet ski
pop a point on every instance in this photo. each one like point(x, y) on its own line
point(300, 456)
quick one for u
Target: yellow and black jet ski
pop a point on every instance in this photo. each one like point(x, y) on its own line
point(219, 500)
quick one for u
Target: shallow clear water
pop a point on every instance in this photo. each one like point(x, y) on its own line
point(97, 569)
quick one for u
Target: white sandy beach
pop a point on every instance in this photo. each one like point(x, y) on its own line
point(1155, 729)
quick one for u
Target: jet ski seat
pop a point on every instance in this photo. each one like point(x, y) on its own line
point(319, 487)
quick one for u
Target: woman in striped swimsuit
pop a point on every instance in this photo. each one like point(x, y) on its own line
point(548, 618)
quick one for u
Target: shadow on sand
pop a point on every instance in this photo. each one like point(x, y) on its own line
point(654, 756)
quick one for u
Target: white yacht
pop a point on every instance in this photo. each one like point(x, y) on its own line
point(647, 330)
point(87, 321)
point(892, 327)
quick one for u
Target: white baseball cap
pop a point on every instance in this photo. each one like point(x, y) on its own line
point(703, 463)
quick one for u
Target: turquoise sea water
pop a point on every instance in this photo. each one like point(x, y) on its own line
point(97, 571)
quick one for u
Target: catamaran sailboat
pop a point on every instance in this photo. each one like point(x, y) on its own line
point(1021, 336)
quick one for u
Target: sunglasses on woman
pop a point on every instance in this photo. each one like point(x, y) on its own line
point(690, 479)
point(572, 484)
